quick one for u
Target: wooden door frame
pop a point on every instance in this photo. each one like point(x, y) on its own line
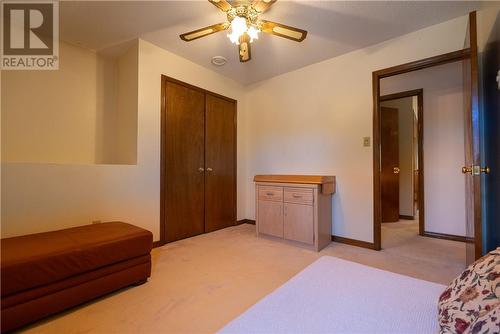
point(419, 93)
point(459, 55)
point(163, 138)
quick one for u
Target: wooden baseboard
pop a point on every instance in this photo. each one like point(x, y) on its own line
point(445, 236)
point(404, 217)
point(158, 243)
point(353, 242)
point(245, 221)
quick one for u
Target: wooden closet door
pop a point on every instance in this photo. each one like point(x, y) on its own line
point(184, 162)
point(220, 163)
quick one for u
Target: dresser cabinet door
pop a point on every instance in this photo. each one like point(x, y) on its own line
point(270, 219)
point(299, 223)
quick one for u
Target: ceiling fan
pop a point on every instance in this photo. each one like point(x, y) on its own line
point(243, 19)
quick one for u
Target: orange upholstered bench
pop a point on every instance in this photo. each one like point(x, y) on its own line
point(45, 273)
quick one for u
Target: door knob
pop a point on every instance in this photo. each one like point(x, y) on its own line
point(201, 169)
point(485, 170)
point(396, 170)
point(209, 169)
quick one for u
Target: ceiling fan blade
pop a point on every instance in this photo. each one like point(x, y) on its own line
point(281, 30)
point(244, 48)
point(195, 34)
point(262, 5)
point(221, 4)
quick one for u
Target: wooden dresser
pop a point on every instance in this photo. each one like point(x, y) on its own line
point(296, 208)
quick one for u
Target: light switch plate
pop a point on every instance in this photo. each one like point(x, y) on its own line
point(366, 141)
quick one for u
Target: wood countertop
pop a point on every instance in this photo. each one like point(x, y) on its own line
point(328, 181)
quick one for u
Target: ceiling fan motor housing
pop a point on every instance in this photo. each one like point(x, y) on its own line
point(245, 11)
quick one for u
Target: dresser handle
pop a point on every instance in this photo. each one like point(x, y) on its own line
point(297, 196)
point(269, 194)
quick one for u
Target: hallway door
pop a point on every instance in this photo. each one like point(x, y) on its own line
point(472, 169)
point(389, 176)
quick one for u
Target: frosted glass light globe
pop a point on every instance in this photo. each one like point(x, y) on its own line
point(253, 33)
point(238, 28)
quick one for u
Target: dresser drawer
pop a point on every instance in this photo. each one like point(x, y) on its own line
point(298, 195)
point(267, 193)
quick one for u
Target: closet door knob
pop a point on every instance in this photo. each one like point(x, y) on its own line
point(201, 169)
point(209, 169)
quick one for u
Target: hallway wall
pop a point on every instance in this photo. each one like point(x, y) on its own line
point(444, 183)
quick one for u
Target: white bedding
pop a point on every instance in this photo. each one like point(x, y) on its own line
point(337, 296)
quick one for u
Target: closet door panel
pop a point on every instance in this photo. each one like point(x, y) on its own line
point(184, 159)
point(220, 163)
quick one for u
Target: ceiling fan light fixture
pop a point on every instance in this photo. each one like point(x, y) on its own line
point(253, 33)
point(245, 25)
point(238, 28)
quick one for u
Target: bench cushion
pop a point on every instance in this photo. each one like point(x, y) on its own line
point(39, 259)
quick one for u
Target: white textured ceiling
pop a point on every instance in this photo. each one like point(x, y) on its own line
point(334, 28)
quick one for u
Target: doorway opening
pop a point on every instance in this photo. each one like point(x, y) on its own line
point(442, 156)
point(470, 185)
point(401, 143)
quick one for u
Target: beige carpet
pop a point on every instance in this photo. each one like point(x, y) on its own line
point(200, 284)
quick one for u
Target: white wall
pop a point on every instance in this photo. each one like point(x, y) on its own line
point(42, 197)
point(117, 116)
point(312, 120)
point(487, 21)
point(308, 121)
point(153, 62)
point(405, 148)
point(50, 116)
point(127, 101)
point(83, 113)
point(444, 111)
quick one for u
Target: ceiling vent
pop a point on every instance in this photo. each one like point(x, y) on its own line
point(219, 61)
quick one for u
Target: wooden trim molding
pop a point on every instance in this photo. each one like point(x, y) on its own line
point(246, 221)
point(424, 63)
point(163, 138)
point(400, 95)
point(353, 242)
point(185, 84)
point(405, 217)
point(446, 236)
point(450, 57)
